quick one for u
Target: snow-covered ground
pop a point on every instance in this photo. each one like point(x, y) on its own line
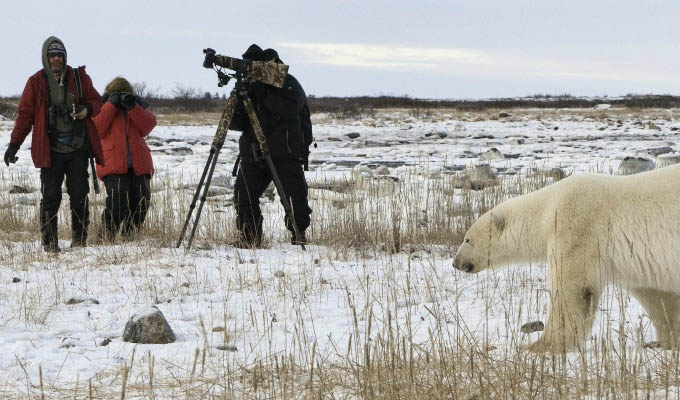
point(237, 307)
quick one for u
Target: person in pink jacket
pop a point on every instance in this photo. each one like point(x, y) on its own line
point(123, 123)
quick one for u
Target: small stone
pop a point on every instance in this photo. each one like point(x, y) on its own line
point(534, 326)
point(634, 165)
point(218, 329)
point(353, 135)
point(279, 274)
point(104, 342)
point(78, 300)
point(16, 280)
point(16, 189)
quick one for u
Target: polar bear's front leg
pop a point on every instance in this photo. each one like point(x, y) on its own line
point(663, 309)
point(573, 302)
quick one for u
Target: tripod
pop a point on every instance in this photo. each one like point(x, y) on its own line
point(238, 94)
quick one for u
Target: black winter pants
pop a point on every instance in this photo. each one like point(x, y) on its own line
point(74, 167)
point(127, 201)
point(251, 182)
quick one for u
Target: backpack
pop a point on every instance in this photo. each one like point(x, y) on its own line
point(307, 135)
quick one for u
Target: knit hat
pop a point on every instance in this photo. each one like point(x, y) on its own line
point(56, 47)
point(253, 53)
point(271, 55)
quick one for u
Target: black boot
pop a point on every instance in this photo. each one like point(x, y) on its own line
point(48, 231)
point(299, 240)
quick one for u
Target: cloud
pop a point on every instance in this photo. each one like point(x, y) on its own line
point(484, 64)
point(381, 56)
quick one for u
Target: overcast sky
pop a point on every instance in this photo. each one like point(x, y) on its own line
point(426, 49)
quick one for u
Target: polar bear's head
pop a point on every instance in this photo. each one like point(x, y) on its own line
point(484, 246)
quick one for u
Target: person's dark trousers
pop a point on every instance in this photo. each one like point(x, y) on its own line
point(251, 182)
point(74, 167)
point(127, 201)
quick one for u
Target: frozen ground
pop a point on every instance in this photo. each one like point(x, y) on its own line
point(243, 306)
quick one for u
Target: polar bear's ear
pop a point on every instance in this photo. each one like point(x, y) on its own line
point(498, 222)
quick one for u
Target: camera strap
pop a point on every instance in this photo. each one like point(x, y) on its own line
point(80, 91)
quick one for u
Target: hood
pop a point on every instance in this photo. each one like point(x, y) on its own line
point(46, 44)
point(119, 84)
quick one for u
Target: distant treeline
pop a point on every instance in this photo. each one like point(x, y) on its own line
point(357, 107)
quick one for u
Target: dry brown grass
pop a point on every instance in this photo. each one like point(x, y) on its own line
point(410, 234)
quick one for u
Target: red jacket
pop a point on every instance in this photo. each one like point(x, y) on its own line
point(114, 125)
point(33, 114)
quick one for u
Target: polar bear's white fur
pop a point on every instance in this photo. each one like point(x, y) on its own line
point(590, 230)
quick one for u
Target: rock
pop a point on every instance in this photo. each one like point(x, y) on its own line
point(657, 151)
point(20, 189)
point(529, 327)
point(665, 160)
point(491, 154)
point(222, 180)
point(78, 300)
point(555, 173)
point(481, 176)
point(634, 165)
point(442, 135)
point(503, 115)
point(16, 280)
point(102, 342)
point(227, 348)
point(279, 274)
point(148, 326)
point(382, 171)
point(217, 191)
point(178, 151)
point(353, 135)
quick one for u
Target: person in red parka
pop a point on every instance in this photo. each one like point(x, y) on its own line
point(57, 105)
point(123, 123)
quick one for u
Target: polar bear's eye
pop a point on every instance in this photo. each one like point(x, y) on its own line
point(467, 240)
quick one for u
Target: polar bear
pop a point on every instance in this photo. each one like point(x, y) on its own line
point(590, 230)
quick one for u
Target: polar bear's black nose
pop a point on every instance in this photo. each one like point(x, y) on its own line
point(465, 267)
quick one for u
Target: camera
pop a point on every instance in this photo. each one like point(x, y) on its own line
point(127, 100)
point(209, 59)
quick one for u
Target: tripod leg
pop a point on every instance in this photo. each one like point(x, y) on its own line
point(215, 148)
point(205, 195)
point(193, 201)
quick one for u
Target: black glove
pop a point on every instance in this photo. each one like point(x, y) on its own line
point(114, 98)
point(142, 103)
point(11, 154)
point(128, 101)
